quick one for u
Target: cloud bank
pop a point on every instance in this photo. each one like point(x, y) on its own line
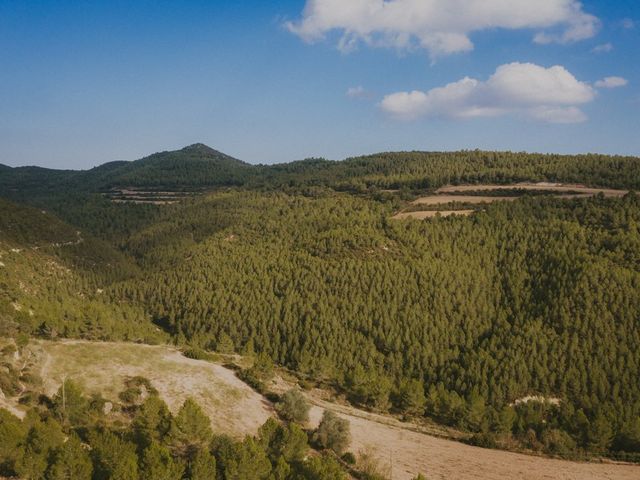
point(545, 94)
point(441, 27)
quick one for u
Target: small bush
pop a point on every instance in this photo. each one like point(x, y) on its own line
point(9, 383)
point(31, 379)
point(130, 395)
point(333, 432)
point(137, 389)
point(370, 466)
point(200, 354)
point(294, 407)
point(484, 440)
point(558, 442)
point(349, 458)
point(306, 384)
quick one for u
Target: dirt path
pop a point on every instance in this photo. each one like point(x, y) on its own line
point(408, 453)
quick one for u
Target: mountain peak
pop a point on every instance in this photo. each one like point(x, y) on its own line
point(200, 148)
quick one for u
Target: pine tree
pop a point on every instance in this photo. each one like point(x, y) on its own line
point(158, 464)
point(152, 421)
point(190, 428)
point(114, 458)
point(202, 466)
point(71, 462)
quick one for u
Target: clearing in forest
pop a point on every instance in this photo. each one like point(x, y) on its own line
point(451, 194)
point(233, 407)
point(541, 186)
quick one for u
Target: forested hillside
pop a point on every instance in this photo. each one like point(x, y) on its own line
point(535, 297)
point(52, 279)
point(455, 319)
point(201, 167)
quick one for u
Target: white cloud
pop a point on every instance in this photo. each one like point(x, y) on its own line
point(357, 92)
point(604, 48)
point(628, 23)
point(546, 94)
point(440, 26)
point(611, 82)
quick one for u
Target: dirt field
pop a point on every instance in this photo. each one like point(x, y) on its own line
point(445, 195)
point(544, 186)
point(233, 407)
point(431, 214)
point(407, 453)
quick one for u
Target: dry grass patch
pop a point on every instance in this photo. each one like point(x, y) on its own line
point(451, 194)
point(233, 407)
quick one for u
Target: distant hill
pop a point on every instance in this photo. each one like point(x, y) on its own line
point(195, 166)
point(191, 167)
point(199, 167)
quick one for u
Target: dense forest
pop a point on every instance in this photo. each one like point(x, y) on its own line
point(200, 167)
point(453, 319)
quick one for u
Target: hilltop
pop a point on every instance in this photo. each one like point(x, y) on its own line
point(191, 167)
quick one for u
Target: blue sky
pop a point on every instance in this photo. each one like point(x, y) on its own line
point(82, 83)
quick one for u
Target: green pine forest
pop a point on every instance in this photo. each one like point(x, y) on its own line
point(451, 319)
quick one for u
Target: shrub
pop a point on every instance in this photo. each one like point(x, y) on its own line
point(349, 458)
point(333, 432)
point(199, 354)
point(484, 440)
point(137, 390)
point(370, 466)
point(558, 442)
point(294, 407)
point(9, 383)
